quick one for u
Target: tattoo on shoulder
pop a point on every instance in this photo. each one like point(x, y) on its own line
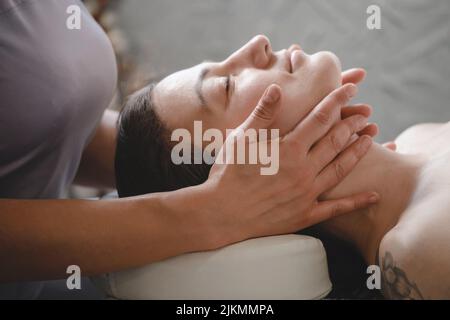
point(395, 283)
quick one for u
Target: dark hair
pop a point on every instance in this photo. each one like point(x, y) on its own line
point(142, 162)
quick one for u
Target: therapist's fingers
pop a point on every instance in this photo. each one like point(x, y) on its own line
point(329, 209)
point(342, 165)
point(355, 75)
point(264, 112)
point(361, 108)
point(336, 140)
point(370, 130)
point(322, 117)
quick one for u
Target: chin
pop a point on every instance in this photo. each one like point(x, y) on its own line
point(329, 69)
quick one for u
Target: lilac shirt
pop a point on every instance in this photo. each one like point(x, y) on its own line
point(55, 84)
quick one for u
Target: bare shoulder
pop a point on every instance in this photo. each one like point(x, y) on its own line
point(414, 256)
point(399, 282)
point(417, 138)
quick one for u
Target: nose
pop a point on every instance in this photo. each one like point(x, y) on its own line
point(261, 51)
point(256, 53)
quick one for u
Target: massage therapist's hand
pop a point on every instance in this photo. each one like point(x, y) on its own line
point(355, 76)
point(244, 204)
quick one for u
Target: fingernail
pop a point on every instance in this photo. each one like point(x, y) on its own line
point(351, 90)
point(374, 198)
point(272, 95)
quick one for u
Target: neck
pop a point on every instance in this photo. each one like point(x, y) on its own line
point(394, 177)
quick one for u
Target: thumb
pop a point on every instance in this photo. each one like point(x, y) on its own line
point(264, 113)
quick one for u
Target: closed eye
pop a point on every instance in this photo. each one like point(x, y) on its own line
point(228, 89)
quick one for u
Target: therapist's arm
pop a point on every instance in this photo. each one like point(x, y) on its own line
point(39, 239)
point(97, 163)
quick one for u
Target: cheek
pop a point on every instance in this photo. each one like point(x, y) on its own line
point(300, 95)
point(246, 96)
point(295, 106)
point(296, 100)
point(326, 75)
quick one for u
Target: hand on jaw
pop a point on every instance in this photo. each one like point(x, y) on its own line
point(355, 76)
point(313, 158)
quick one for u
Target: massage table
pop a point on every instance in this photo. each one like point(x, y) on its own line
point(277, 267)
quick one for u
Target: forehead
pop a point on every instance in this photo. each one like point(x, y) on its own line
point(178, 83)
point(175, 98)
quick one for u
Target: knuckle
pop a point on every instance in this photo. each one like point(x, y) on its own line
point(262, 112)
point(339, 171)
point(361, 148)
point(335, 142)
point(355, 123)
point(340, 97)
point(337, 98)
point(322, 117)
point(295, 144)
point(315, 191)
point(351, 125)
point(290, 145)
point(336, 209)
point(302, 181)
point(306, 175)
point(358, 151)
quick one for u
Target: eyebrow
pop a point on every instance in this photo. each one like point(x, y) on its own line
point(199, 86)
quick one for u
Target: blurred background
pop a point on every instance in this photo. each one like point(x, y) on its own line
point(408, 59)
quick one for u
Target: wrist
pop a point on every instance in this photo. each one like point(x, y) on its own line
point(196, 215)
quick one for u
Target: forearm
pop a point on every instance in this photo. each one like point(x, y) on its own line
point(97, 163)
point(39, 239)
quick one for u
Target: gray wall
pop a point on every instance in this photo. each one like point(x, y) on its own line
point(408, 61)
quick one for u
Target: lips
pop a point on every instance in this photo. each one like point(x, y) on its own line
point(296, 57)
point(293, 58)
point(288, 64)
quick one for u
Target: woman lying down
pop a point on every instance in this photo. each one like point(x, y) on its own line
point(406, 233)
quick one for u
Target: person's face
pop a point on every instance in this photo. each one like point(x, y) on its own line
point(223, 94)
